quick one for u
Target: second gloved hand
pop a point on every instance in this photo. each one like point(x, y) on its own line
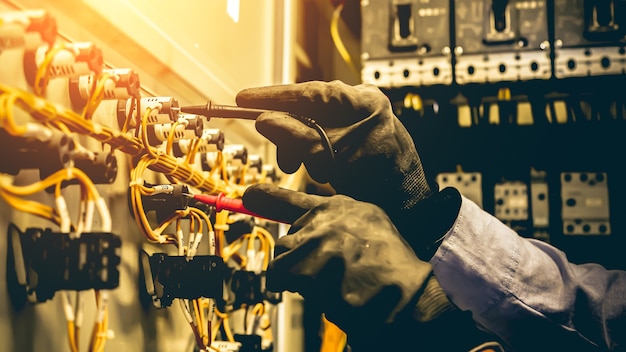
point(375, 157)
point(347, 258)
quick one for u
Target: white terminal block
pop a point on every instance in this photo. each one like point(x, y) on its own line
point(469, 184)
point(163, 110)
point(119, 85)
point(511, 201)
point(76, 59)
point(585, 208)
point(207, 161)
point(26, 30)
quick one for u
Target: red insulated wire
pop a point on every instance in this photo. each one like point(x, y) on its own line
point(221, 202)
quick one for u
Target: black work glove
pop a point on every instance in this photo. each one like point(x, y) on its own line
point(375, 157)
point(347, 258)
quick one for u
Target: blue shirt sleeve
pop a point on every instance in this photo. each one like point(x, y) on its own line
point(524, 289)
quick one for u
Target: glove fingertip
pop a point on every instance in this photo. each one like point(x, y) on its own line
point(256, 195)
point(246, 97)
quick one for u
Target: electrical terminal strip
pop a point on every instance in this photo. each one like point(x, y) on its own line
point(62, 60)
point(27, 30)
point(157, 121)
point(170, 277)
point(211, 140)
point(46, 262)
point(118, 84)
point(161, 110)
point(255, 171)
point(48, 150)
point(187, 127)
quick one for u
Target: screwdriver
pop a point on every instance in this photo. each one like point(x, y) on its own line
point(221, 202)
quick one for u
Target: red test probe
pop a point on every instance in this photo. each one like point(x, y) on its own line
point(221, 202)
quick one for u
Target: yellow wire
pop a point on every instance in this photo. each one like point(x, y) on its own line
point(7, 101)
point(334, 33)
point(43, 71)
point(32, 207)
point(96, 95)
point(71, 336)
point(225, 323)
point(170, 137)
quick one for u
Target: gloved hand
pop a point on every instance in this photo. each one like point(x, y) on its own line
point(375, 157)
point(347, 258)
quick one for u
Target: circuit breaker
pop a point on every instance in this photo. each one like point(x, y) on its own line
point(501, 40)
point(406, 42)
point(590, 36)
point(511, 201)
point(585, 208)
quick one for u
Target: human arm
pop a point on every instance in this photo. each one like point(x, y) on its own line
point(526, 291)
point(379, 164)
point(348, 259)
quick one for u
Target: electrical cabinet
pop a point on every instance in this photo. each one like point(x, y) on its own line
point(524, 116)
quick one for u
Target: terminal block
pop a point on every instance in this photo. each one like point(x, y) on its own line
point(163, 110)
point(76, 59)
point(270, 172)
point(169, 277)
point(50, 151)
point(248, 288)
point(101, 169)
point(165, 201)
point(122, 83)
point(27, 30)
point(43, 262)
point(236, 154)
point(212, 140)
point(188, 127)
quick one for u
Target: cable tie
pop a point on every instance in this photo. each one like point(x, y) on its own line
point(136, 182)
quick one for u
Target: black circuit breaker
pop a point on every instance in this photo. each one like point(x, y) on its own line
point(406, 42)
point(501, 40)
point(589, 37)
